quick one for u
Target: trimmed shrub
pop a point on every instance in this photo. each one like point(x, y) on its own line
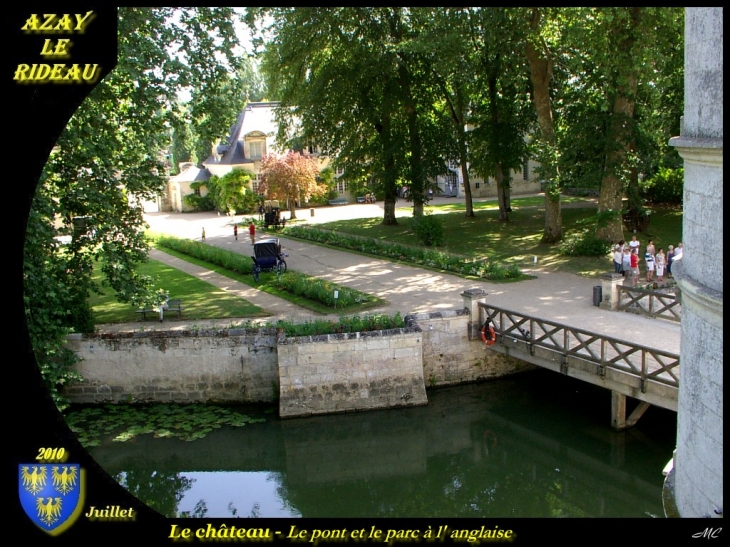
point(350, 324)
point(429, 230)
point(584, 243)
point(486, 269)
point(666, 187)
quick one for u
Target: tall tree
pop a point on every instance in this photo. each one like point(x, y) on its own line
point(337, 79)
point(537, 49)
point(291, 178)
point(183, 139)
point(452, 70)
point(502, 116)
point(106, 160)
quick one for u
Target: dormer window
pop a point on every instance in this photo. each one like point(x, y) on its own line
point(255, 145)
point(256, 149)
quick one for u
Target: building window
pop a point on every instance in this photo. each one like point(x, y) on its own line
point(339, 171)
point(526, 171)
point(255, 183)
point(476, 185)
point(256, 149)
point(341, 186)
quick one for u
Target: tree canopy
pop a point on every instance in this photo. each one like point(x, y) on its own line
point(591, 93)
point(106, 161)
point(291, 178)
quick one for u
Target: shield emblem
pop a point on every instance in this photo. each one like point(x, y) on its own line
point(51, 494)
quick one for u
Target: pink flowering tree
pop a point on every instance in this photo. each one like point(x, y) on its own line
point(290, 178)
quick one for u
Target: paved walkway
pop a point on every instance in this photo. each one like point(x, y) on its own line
point(556, 296)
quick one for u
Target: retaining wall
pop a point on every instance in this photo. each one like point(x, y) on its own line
point(450, 357)
point(358, 371)
point(309, 375)
point(236, 366)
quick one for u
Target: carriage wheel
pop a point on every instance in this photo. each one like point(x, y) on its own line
point(280, 268)
point(256, 271)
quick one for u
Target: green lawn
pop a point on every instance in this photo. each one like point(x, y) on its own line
point(200, 300)
point(267, 282)
point(516, 241)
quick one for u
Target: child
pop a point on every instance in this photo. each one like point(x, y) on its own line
point(660, 260)
point(634, 267)
point(202, 236)
point(235, 231)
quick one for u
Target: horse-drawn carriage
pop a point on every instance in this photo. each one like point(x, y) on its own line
point(272, 214)
point(268, 257)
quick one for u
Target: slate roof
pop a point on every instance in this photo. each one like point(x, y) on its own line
point(254, 117)
point(192, 174)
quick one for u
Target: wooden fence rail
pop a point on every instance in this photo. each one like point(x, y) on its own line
point(649, 364)
point(649, 303)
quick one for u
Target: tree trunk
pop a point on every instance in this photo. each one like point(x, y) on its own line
point(610, 198)
point(293, 210)
point(540, 75)
point(620, 137)
point(457, 116)
point(390, 189)
point(417, 188)
point(502, 198)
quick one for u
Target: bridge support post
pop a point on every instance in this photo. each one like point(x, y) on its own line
point(618, 410)
point(472, 299)
point(619, 420)
point(610, 283)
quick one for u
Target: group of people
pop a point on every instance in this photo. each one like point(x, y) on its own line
point(626, 260)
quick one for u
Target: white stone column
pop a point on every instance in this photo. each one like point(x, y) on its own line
point(472, 298)
point(698, 463)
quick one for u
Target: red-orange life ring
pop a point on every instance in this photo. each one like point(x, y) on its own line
point(492, 335)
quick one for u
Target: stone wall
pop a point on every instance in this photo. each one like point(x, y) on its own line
point(236, 365)
point(309, 375)
point(450, 357)
point(345, 372)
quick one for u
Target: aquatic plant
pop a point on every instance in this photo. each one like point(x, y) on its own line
point(187, 422)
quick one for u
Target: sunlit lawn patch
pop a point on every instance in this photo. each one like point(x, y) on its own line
point(517, 241)
point(200, 300)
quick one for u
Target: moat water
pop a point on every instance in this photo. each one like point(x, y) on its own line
point(535, 445)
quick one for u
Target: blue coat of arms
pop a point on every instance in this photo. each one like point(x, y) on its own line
point(51, 494)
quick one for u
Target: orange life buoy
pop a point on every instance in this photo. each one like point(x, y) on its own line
point(488, 328)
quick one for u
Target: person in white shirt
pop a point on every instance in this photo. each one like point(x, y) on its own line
point(617, 254)
point(634, 244)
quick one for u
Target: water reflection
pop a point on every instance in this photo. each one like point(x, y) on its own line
point(537, 445)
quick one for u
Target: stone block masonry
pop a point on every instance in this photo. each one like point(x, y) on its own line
point(308, 375)
point(347, 372)
point(450, 357)
point(196, 366)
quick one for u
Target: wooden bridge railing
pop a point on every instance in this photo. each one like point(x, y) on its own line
point(649, 302)
point(604, 351)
